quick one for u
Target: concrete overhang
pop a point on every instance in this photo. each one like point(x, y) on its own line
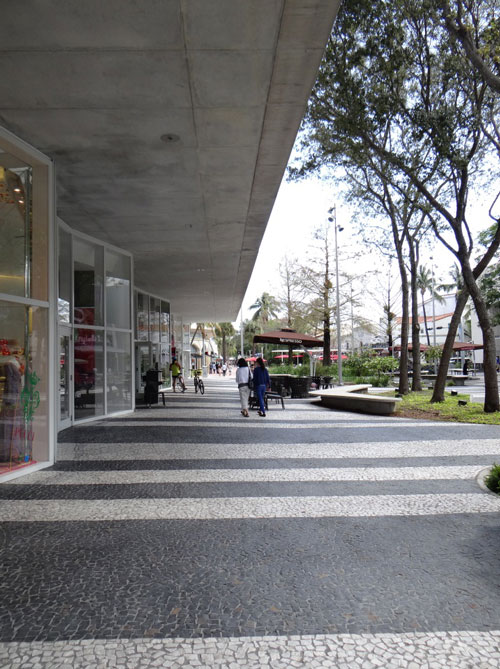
point(170, 123)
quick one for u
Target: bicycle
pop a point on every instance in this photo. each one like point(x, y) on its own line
point(198, 382)
point(180, 382)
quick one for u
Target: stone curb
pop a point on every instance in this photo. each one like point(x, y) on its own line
point(480, 481)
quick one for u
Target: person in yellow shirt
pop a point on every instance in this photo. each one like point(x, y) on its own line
point(176, 369)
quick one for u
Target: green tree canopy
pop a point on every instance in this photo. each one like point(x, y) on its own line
point(395, 87)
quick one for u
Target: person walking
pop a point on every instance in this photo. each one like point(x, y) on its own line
point(261, 381)
point(243, 378)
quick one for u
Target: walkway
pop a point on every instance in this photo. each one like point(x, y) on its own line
point(189, 536)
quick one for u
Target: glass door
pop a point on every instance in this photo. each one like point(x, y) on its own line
point(65, 378)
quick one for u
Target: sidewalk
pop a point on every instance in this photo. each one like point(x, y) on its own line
point(189, 536)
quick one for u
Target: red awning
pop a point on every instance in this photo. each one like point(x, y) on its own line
point(334, 356)
point(284, 356)
point(457, 346)
point(466, 346)
point(423, 347)
point(287, 336)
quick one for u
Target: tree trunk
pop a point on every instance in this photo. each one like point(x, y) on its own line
point(326, 339)
point(404, 388)
point(425, 322)
point(289, 319)
point(491, 398)
point(440, 385)
point(224, 346)
point(416, 382)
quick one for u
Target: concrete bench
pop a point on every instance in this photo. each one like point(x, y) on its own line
point(457, 379)
point(162, 392)
point(253, 402)
point(356, 398)
point(276, 397)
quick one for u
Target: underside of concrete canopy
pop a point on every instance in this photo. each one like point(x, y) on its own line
point(170, 123)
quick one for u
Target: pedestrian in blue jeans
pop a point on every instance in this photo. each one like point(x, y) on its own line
point(261, 382)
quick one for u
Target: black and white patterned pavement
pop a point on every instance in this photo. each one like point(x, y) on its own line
point(189, 536)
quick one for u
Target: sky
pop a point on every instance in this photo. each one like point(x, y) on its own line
point(300, 208)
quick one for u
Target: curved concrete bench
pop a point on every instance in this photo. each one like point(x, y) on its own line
point(356, 398)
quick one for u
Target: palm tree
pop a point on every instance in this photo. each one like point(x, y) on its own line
point(267, 308)
point(222, 332)
point(455, 286)
point(457, 282)
point(250, 328)
point(425, 283)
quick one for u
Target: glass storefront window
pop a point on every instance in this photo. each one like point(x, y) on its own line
point(89, 373)
point(165, 362)
point(24, 354)
point(117, 290)
point(142, 319)
point(154, 319)
point(142, 364)
point(165, 322)
point(64, 300)
point(88, 263)
point(119, 371)
point(64, 375)
point(165, 341)
point(15, 224)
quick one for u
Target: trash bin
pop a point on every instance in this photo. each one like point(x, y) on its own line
point(153, 382)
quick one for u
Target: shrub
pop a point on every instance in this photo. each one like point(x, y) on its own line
point(357, 364)
point(369, 363)
point(282, 369)
point(326, 370)
point(492, 480)
point(379, 381)
point(433, 353)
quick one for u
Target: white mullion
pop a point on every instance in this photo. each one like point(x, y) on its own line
point(132, 335)
point(105, 322)
point(26, 301)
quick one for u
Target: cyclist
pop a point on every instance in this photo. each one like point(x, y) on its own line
point(176, 369)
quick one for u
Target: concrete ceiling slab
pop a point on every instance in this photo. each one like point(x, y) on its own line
point(233, 126)
point(234, 25)
point(170, 122)
point(94, 24)
point(160, 79)
point(106, 128)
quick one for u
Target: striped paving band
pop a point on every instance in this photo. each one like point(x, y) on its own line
point(231, 451)
point(251, 475)
point(275, 424)
point(190, 508)
point(457, 649)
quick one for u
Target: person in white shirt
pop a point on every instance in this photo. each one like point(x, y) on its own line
point(243, 377)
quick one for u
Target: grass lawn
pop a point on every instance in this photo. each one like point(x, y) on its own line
point(418, 405)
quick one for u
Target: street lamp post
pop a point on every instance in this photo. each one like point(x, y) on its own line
point(339, 338)
point(352, 323)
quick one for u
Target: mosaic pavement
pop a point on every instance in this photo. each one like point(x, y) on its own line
point(188, 536)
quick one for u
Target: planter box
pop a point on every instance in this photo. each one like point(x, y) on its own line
point(280, 383)
point(300, 386)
